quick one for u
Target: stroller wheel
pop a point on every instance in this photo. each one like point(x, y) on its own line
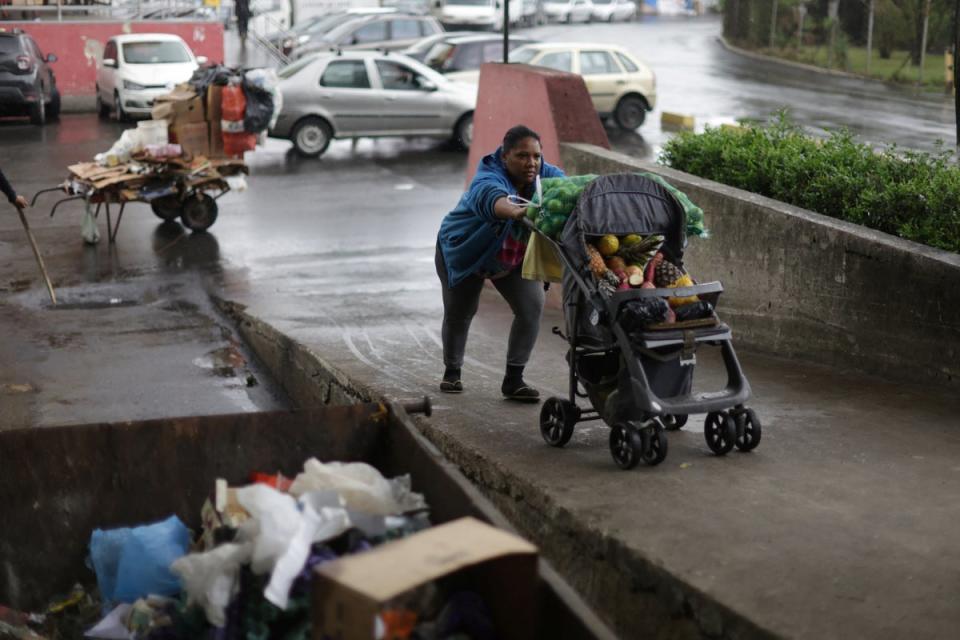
point(626, 446)
point(720, 431)
point(655, 444)
point(674, 423)
point(749, 430)
point(557, 418)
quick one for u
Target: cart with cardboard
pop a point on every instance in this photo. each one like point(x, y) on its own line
point(182, 178)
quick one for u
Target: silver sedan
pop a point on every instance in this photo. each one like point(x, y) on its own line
point(361, 94)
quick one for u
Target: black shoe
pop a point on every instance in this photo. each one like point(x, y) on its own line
point(451, 382)
point(520, 391)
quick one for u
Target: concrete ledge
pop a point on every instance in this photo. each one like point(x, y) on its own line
point(803, 285)
point(635, 595)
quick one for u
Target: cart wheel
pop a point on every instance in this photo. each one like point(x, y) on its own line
point(626, 445)
point(199, 212)
point(166, 208)
point(720, 431)
point(749, 430)
point(655, 445)
point(674, 423)
point(557, 418)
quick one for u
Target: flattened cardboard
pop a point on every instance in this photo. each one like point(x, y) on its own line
point(214, 114)
point(501, 567)
point(194, 137)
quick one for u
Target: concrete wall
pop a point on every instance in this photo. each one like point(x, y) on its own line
point(555, 104)
point(79, 45)
point(804, 285)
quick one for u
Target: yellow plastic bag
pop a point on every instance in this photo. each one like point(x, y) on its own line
point(541, 261)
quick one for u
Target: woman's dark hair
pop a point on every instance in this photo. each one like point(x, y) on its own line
point(513, 137)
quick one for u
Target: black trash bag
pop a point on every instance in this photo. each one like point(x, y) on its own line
point(206, 76)
point(694, 311)
point(635, 315)
point(259, 110)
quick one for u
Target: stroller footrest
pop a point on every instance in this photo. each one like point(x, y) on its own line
point(704, 402)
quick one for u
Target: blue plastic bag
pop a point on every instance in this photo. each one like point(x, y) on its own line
point(132, 563)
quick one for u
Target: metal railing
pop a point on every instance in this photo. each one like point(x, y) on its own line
point(271, 27)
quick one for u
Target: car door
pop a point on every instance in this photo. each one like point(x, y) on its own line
point(411, 103)
point(106, 76)
point(345, 92)
point(603, 77)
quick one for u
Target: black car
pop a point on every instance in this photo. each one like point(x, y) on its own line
point(27, 84)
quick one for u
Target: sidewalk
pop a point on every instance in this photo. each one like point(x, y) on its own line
point(841, 523)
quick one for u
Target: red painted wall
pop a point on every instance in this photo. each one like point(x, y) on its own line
point(79, 45)
point(555, 104)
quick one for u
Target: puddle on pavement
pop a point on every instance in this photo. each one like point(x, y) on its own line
point(94, 304)
point(224, 362)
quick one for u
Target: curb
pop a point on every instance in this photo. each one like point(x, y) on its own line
point(790, 63)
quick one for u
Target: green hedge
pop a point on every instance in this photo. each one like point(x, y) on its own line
point(909, 194)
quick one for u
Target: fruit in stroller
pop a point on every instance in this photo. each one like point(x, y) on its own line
point(639, 253)
point(608, 245)
point(632, 269)
point(635, 280)
point(597, 265)
point(665, 273)
point(616, 264)
point(630, 240)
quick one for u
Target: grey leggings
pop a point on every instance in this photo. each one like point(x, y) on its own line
point(460, 303)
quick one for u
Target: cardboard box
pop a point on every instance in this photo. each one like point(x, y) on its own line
point(194, 137)
point(214, 114)
point(464, 554)
point(179, 106)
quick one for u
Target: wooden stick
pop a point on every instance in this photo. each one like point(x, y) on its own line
point(36, 252)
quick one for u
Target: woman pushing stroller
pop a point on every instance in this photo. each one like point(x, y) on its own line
point(482, 239)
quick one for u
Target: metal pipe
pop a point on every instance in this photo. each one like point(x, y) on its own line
point(506, 31)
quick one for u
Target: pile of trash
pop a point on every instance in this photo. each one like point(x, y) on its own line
point(248, 572)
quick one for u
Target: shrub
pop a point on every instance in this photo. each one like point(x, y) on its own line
point(913, 195)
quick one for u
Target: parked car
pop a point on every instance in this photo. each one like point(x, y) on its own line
point(419, 49)
point(355, 94)
point(27, 84)
point(478, 14)
point(314, 28)
point(622, 87)
point(390, 32)
point(569, 11)
point(614, 10)
point(137, 68)
point(460, 58)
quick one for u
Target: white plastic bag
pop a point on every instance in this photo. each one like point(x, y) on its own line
point(211, 578)
point(276, 520)
point(88, 228)
point(361, 486)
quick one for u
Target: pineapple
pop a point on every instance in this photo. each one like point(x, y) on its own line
point(608, 283)
point(639, 252)
point(666, 273)
point(597, 266)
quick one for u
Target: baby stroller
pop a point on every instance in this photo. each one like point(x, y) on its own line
point(639, 380)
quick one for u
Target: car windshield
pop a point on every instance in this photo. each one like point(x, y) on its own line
point(291, 69)
point(9, 45)
point(522, 55)
point(164, 52)
point(469, 3)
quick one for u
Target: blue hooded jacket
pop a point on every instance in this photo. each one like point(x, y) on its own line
point(471, 234)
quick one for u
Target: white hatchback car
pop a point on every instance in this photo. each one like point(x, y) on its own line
point(614, 10)
point(568, 10)
point(137, 68)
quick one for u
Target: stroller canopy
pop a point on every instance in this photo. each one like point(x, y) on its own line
point(625, 203)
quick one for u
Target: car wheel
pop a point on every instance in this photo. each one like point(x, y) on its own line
point(610, 19)
point(569, 18)
point(53, 111)
point(463, 132)
point(38, 112)
point(103, 109)
point(630, 113)
point(311, 137)
point(118, 111)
